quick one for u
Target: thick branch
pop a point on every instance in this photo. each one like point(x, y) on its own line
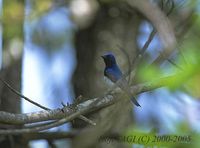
point(61, 113)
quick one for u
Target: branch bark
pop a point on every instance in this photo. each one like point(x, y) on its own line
point(85, 107)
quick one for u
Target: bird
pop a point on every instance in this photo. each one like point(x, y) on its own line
point(113, 73)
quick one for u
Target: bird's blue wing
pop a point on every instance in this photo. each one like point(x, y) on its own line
point(114, 74)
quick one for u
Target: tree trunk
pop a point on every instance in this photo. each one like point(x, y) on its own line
point(12, 65)
point(113, 27)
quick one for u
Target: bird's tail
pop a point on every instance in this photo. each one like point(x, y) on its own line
point(123, 84)
point(134, 101)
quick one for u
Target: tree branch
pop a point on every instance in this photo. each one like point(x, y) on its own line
point(37, 104)
point(158, 19)
point(24, 97)
point(69, 114)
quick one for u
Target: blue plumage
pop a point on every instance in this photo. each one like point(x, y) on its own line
point(113, 72)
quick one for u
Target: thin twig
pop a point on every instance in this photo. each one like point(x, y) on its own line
point(136, 60)
point(87, 120)
point(19, 94)
point(81, 116)
point(174, 64)
point(33, 125)
point(163, 27)
point(39, 105)
point(128, 60)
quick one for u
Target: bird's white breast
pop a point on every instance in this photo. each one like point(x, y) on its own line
point(108, 82)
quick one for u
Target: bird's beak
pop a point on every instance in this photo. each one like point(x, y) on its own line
point(103, 57)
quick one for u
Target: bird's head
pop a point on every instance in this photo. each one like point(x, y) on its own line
point(109, 59)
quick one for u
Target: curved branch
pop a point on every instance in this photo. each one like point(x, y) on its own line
point(158, 19)
point(105, 101)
